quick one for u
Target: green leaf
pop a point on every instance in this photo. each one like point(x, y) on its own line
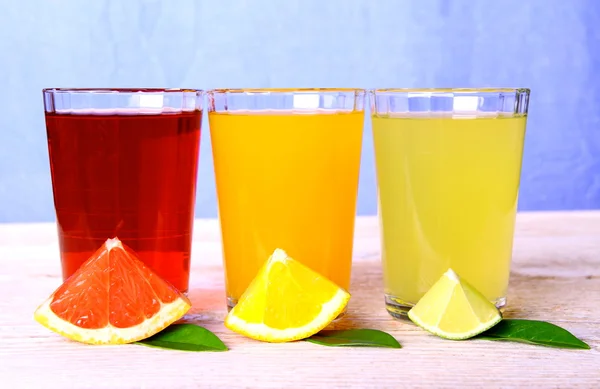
point(533, 332)
point(185, 337)
point(354, 338)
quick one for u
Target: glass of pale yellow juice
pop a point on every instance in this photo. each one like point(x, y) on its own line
point(286, 166)
point(448, 167)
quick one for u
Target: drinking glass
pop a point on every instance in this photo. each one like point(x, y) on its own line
point(123, 164)
point(286, 166)
point(448, 167)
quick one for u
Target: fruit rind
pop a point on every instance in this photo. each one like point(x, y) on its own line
point(169, 313)
point(453, 336)
point(260, 331)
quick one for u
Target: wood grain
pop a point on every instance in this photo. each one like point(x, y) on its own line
point(555, 277)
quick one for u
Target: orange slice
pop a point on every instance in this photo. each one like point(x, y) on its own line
point(113, 298)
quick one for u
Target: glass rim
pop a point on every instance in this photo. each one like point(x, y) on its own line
point(283, 90)
point(451, 90)
point(121, 90)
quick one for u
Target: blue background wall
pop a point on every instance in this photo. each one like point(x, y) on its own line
point(551, 46)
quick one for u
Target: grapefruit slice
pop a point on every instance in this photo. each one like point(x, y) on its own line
point(113, 298)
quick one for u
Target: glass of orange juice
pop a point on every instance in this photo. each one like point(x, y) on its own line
point(448, 169)
point(286, 166)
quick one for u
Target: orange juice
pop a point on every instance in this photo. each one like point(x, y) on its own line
point(286, 180)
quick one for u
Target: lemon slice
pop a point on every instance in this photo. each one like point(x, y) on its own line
point(286, 301)
point(453, 309)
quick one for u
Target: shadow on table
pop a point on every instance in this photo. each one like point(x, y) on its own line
point(208, 305)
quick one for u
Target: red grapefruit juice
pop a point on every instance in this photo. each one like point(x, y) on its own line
point(128, 175)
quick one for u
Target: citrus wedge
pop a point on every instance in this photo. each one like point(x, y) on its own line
point(453, 309)
point(113, 298)
point(286, 301)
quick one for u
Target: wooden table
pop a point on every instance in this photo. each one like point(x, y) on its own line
point(555, 277)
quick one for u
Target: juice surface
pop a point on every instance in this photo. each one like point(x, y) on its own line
point(448, 191)
point(286, 180)
point(127, 175)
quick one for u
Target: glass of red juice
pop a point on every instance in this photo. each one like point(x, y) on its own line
point(124, 164)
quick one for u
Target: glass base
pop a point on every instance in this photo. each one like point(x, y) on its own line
point(231, 302)
point(399, 308)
